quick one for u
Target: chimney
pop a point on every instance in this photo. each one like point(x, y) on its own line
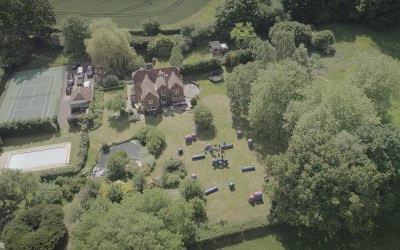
point(149, 66)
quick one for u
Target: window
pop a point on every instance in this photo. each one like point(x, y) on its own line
point(162, 93)
point(176, 91)
point(150, 102)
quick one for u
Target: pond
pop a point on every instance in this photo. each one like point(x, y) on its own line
point(132, 148)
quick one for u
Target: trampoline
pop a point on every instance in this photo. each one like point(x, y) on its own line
point(216, 76)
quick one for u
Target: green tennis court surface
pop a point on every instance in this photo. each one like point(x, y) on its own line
point(32, 94)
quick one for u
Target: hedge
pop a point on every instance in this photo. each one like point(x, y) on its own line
point(222, 234)
point(140, 43)
point(162, 31)
point(52, 174)
point(121, 86)
point(236, 57)
point(205, 66)
point(16, 128)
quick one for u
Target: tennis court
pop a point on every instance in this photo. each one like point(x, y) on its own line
point(32, 94)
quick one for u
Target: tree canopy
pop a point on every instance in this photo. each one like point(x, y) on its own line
point(302, 32)
point(243, 34)
point(203, 117)
point(116, 164)
point(74, 30)
point(117, 103)
point(110, 47)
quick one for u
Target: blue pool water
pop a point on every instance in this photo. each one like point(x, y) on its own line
point(39, 158)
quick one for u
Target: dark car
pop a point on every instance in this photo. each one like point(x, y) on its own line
point(89, 71)
point(70, 79)
point(68, 91)
point(75, 65)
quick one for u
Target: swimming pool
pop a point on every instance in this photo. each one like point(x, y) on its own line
point(50, 156)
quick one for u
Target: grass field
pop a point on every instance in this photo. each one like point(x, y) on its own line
point(222, 205)
point(131, 13)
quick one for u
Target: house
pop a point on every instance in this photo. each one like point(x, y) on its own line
point(157, 87)
point(217, 48)
point(80, 99)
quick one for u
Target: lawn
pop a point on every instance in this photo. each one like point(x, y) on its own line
point(131, 13)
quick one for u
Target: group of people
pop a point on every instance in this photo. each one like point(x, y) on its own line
point(215, 150)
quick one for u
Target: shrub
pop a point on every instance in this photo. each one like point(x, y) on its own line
point(323, 40)
point(141, 135)
point(174, 171)
point(236, 57)
point(193, 102)
point(161, 46)
point(205, 66)
point(203, 117)
point(96, 110)
point(302, 32)
point(70, 186)
point(148, 162)
point(151, 27)
point(47, 193)
point(110, 81)
point(191, 189)
point(28, 127)
point(38, 227)
point(140, 42)
point(155, 142)
point(199, 210)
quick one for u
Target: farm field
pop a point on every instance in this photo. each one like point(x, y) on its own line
point(131, 13)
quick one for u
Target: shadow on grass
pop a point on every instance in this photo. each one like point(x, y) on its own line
point(28, 139)
point(153, 120)
point(208, 134)
point(387, 41)
point(121, 123)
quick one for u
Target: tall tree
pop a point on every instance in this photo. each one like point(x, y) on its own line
point(110, 46)
point(203, 117)
point(379, 76)
point(117, 103)
point(176, 58)
point(237, 11)
point(74, 30)
point(283, 42)
point(300, 55)
point(302, 32)
point(263, 51)
point(238, 84)
point(243, 34)
point(326, 183)
point(330, 108)
point(274, 88)
point(22, 20)
point(116, 165)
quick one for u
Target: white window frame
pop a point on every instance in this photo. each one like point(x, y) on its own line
point(176, 91)
point(150, 102)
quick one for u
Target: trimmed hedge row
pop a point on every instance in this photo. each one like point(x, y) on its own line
point(121, 86)
point(52, 174)
point(141, 42)
point(162, 31)
point(16, 128)
point(205, 66)
point(236, 57)
point(222, 234)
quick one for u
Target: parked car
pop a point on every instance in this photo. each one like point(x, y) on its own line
point(81, 76)
point(70, 79)
point(75, 65)
point(68, 91)
point(90, 71)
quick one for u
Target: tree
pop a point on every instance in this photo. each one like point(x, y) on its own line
point(135, 173)
point(378, 76)
point(326, 183)
point(300, 55)
point(237, 11)
point(110, 81)
point(21, 22)
point(302, 32)
point(330, 108)
point(243, 34)
point(151, 220)
point(263, 51)
point(117, 103)
point(382, 144)
point(151, 27)
point(116, 165)
point(47, 193)
point(238, 84)
point(270, 95)
point(283, 42)
point(161, 46)
point(74, 30)
point(380, 14)
point(191, 189)
point(116, 190)
point(40, 227)
point(203, 117)
point(176, 58)
point(15, 187)
point(155, 142)
point(322, 41)
point(199, 210)
point(110, 47)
